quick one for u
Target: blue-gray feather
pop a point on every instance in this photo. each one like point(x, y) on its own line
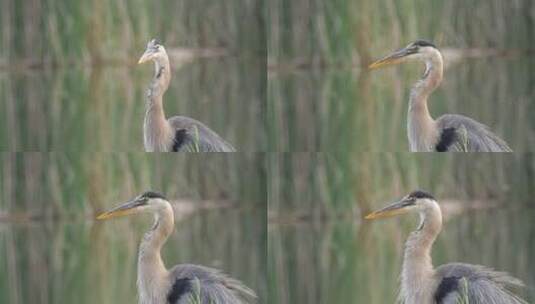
point(209, 285)
point(193, 136)
point(477, 284)
point(472, 136)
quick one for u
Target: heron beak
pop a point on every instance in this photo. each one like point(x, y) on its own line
point(394, 58)
point(146, 57)
point(127, 208)
point(397, 208)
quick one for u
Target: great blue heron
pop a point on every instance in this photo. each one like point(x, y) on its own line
point(185, 283)
point(178, 133)
point(450, 283)
point(449, 132)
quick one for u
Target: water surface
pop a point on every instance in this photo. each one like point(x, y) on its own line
point(102, 109)
point(348, 261)
point(320, 250)
point(336, 109)
point(87, 262)
point(52, 250)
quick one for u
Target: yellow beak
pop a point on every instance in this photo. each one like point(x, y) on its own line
point(127, 208)
point(394, 58)
point(145, 57)
point(394, 209)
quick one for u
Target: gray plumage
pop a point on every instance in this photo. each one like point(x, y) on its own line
point(179, 133)
point(199, 138)
point(479, 284)
point(455, 283)
point(206, 286)
point(471, 136)
point(184, 283)
point(449, 132)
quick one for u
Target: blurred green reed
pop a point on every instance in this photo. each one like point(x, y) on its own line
point(53, 185)
point(320, 251)
point(103, 109)
point(51, 251)
point(349, 262)
point(335, 31)
point(80, 31)
point(83, 262)
point(58, 91)
point(343, 109)
point(350, 184)
point(322, 98)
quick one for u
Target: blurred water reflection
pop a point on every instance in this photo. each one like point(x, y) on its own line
point(88, 262)
point(345, 109)
point(103, 109)
point(351, 262)
point(320, 97)
point(320, 251)
point(51, 250)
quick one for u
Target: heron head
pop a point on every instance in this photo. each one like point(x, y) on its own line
point(147, 202)
point(417, 201)
point(418, 50)
point(154, 51)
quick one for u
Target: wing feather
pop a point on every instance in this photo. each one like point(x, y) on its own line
point(193, 136)
point(208, 285)
point(465, 283)
point(471, 135)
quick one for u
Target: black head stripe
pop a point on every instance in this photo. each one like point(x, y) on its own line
point(420, 194)
point(422, 43)
point(412, 50)
point(408, 201)
point(152, 194)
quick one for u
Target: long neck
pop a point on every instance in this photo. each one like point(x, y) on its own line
point(151, 268)
point(157, 131)
point(421, 129)
point(417, 273)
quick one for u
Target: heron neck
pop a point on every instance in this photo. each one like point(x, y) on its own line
point(157, 131)
point(418, 268)
point(151, 268)
point(162, 74)
point(422, 131)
